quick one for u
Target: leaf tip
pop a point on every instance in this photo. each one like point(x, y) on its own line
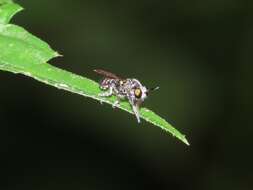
point(186, 141)
point(57, 54)
point(19, 8)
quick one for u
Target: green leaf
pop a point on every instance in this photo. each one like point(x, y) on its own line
point(7, 11)
point(5, 1)
point(21, 52)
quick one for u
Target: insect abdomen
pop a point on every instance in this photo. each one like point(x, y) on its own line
point(106, 83)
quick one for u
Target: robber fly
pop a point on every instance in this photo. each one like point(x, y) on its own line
point(130, 89)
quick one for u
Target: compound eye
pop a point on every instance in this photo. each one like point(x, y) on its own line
point(137, 93)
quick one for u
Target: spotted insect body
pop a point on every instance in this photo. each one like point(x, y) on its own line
point(130, 89)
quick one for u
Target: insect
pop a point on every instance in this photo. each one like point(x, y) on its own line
point(129, 88)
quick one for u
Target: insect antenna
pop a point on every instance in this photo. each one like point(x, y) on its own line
point(152, 89)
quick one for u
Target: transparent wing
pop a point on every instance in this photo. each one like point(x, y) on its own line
point(107, 74)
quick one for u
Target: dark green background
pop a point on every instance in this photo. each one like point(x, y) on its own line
point(198, 52)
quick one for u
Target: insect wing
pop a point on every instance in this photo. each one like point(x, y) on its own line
point(106, 74)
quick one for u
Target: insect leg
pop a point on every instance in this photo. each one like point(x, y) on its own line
point(116, 103)
point(135, 108)
point(107, 93)
point(136, 112)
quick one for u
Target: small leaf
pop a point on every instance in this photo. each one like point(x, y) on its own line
point(21, 52)
point(7, 11)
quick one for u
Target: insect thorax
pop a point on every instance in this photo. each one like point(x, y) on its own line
point(120, 87)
